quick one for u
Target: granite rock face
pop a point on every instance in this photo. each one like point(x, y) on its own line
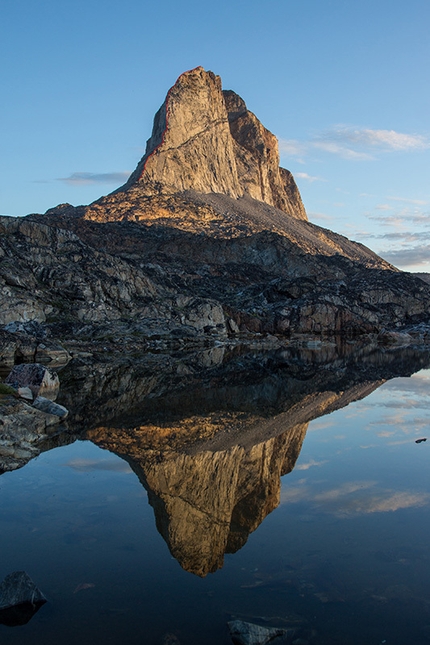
point(257, 160)
point(206, 140)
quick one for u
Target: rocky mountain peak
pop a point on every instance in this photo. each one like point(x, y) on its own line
point(205, 139)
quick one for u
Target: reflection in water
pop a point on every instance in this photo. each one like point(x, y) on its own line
point(344, 558)
point(211, 452)
point(207, 504)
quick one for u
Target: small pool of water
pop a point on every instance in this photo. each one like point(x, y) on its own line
point(345, 556)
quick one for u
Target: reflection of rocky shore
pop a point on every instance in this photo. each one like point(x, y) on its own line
point(211, 455)
point(210, 434)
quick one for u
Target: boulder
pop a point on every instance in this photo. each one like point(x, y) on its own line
point(20, 599)
point(40, 379)
point(45, 405)
point(243, 633)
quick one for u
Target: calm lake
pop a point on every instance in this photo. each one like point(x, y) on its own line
point(287, 490)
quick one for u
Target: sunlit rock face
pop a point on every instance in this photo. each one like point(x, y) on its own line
point(206, 140)
point(207, 504)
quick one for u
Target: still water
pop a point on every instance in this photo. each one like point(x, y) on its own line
point(338, 547)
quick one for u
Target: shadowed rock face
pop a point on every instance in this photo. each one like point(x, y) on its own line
point(257, 160)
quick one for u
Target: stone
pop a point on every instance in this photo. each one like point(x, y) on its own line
point(19, 599)
point(207, 140)
point(39, 379)
point(45, 405)
point(29, 327)
point(50, 352)
point(25, 393)
point(243, 633)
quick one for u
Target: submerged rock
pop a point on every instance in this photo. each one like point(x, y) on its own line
point(243, 633)
point(20, 599)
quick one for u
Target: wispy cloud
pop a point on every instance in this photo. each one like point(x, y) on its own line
point(310, 178)
point(321, 216)
point(355, 498)
point(310, 464)
point(89, 465)
point(382, 139)
point(407, 200)
point(412, 256)
point(293, 147)
point(340, 150)
point(401, 236)
point(355, 143)
point(86, 178)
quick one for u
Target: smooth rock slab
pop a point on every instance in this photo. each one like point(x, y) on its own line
point(40, 379)
point(243, 633)
point(20, 599)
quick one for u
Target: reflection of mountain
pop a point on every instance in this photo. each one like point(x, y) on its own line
point(209, 434)
point(207, 504)
point(211, 455)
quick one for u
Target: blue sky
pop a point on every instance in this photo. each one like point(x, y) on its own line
point(344, 86)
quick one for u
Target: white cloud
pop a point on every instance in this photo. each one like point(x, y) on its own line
point(416, 202)
point(82, 178)
point(310, 178)
point(355, 143)
point(309, 464)
point(413, 256)
point(341, 151)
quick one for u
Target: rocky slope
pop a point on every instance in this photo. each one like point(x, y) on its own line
point(207, 240)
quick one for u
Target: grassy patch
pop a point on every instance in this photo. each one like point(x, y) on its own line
point(6, 390)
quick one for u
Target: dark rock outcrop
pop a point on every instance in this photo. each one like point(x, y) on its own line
point(41, 380)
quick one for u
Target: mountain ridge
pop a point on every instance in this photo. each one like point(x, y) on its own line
point(207, 242)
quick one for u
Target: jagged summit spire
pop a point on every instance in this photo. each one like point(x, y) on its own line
point(207, 140)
